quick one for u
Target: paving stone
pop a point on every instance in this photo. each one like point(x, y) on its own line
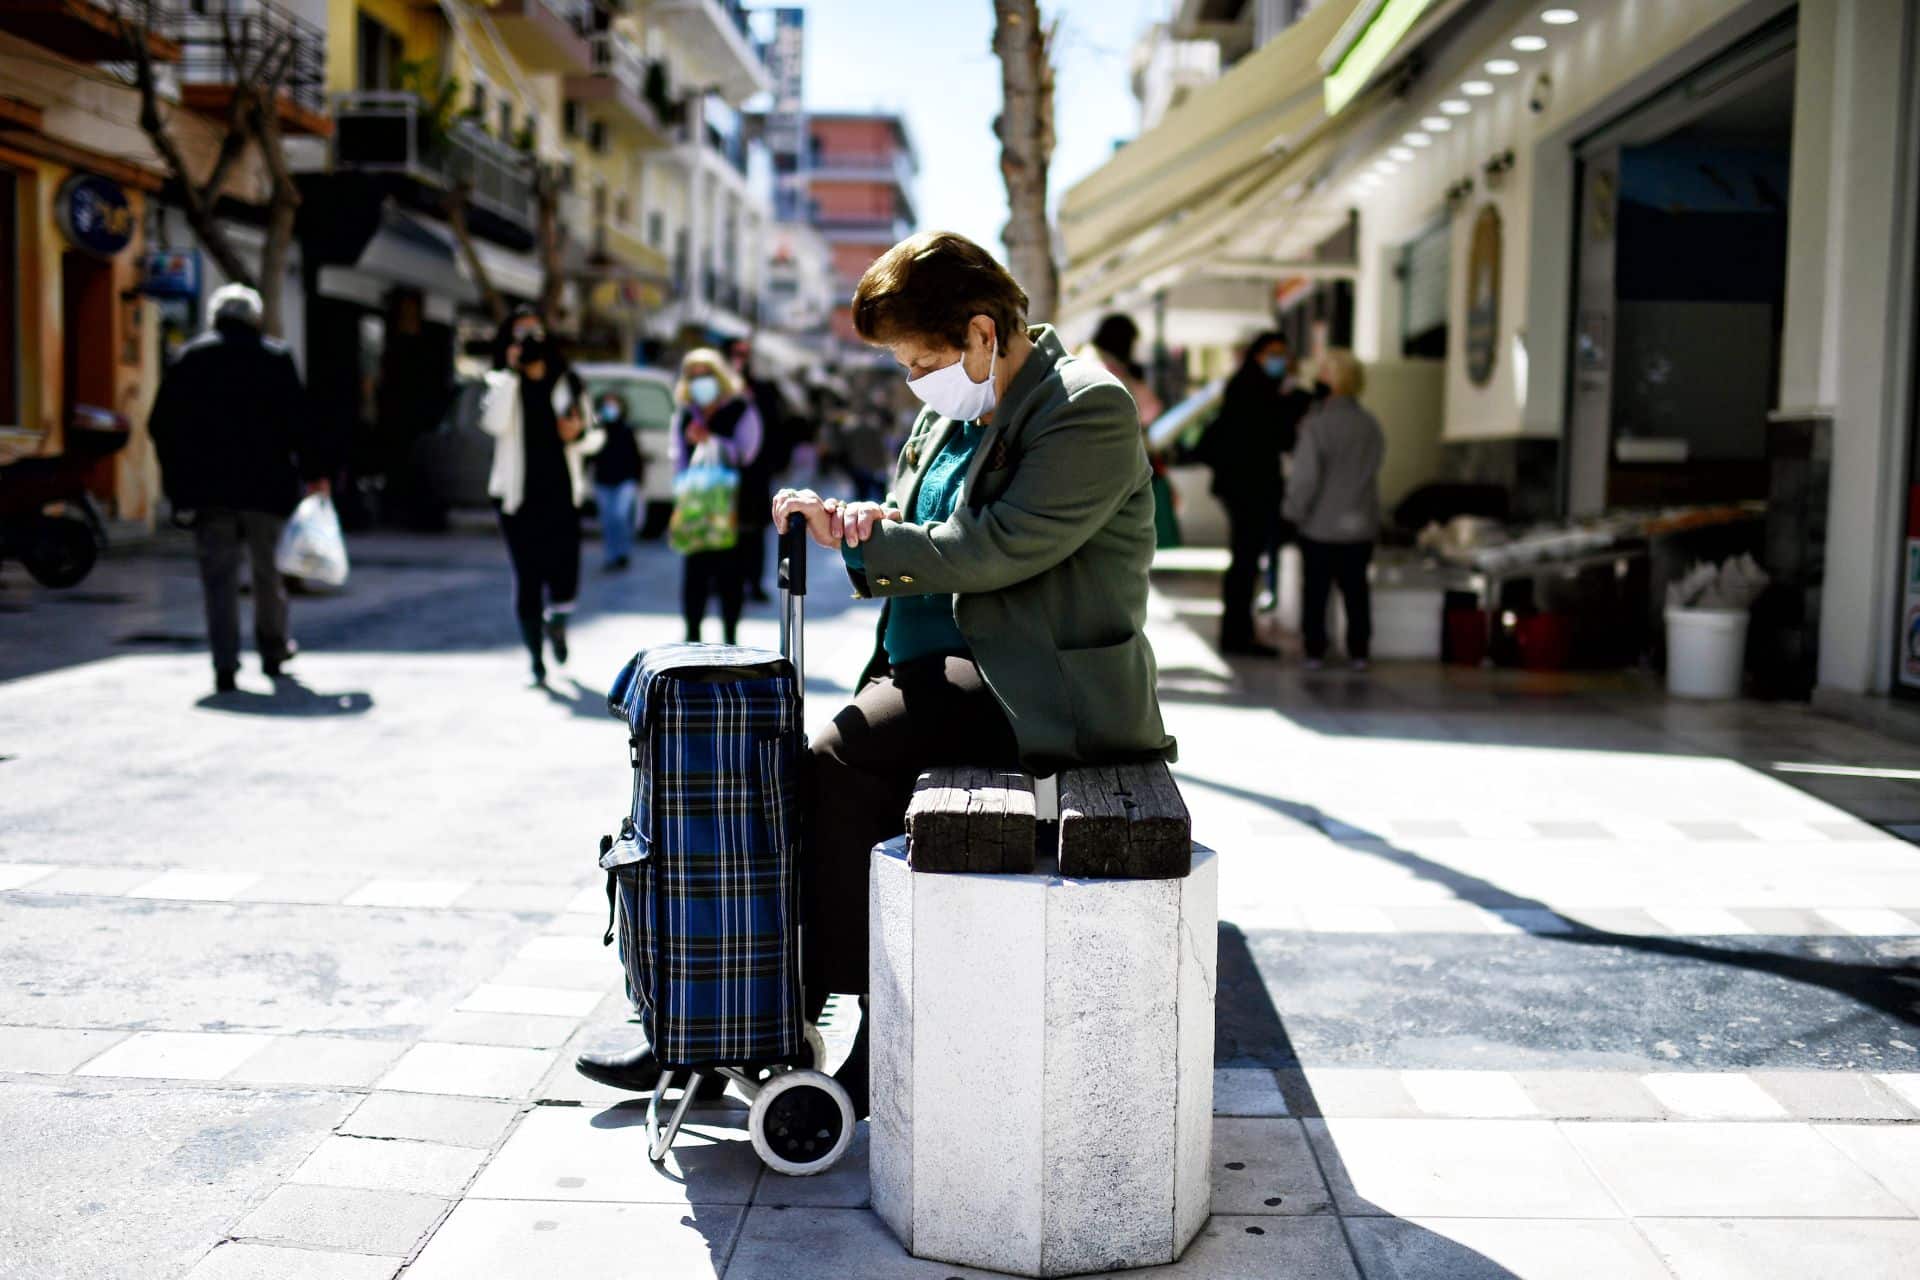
point(1798, 1249)
point(1753, 1169)
point(104, 882)
point(1686, 921)
point(1712, 1095)
point(590, 901)
point(569, 961)
point(576, 1153)
point(319, 1060)
point(1533, 919)
point(1338, 917)
point(379, 1164)
point(457, 1122)
point(1263, 1166)
point(16, 875)
point(478, 1071)
point(1890, 1152)
point(1832, 1095)
point(294, 887)
point(1467, 1093)
point(845, 1186)
point(1356, 1091)
point(1590, 1095)
point(51, 1050)
point(1247, 1091)
point(346, 1218)
point(509, 1030)
point(1850, 829)
point(1427, 828)
point(408, 893)
point(1904, 1083)
point(1448, 1168)
point(1630, 921)
point(548, 899)
point(195, 886)
point(504, 1240)
point(1713, 830)
point(1787, 922)
point(831, 1244)
point(1446, 917)
point(176, 1055)
point(549, 1001)
point(1501, 1249)
point(1870, 922)
point(242, 1261)
point(1242, 1248)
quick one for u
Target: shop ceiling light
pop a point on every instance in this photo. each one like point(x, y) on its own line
point(1502, 66)
point(1417, 140)
point(1559, 17)
point(1528, 44)
point(1436, 124)
point(1455, 107)
point(1476, 88)
point(1385, 167)
point(1402, 154)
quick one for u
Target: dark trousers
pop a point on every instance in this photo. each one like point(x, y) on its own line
point(220, 540)
point(710, 573)
point(544, 545)
point(1325, 564)
point(934, 711)
point(753, 557)
point(1248, 524)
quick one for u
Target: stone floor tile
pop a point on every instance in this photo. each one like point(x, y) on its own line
point(176, 1055)
point(549, 1001)
point(845, 1186)
point(1450, 1168)
point(236, 1260)
point(17, 875)
point(347, 1218)
point(101, 882)
point(1533, 919)
point(1849, 829)
point(1571, 829)
point(590, 901)
point(51, 1050)
point(832, 1244)
point(1467, 1093)
point(469, 1070)
point(1445, 917)
point(1832, 1095)
point(456, 1122)
point(1263, 1166)
point(1685, 921)
point(1709, 829)
point(1870, 922)
point(1630, 921)
point(319, 1060)
point(1356, 1091)
point(495, 895)
point(1890, 1152)
point(1590, 1095)
point(1244, 1248)
point(1904, 1083)
point(380, 1164)
point(578, 1153)
point(295, 887)
point(1426, 829)
point(1340, 917)
point(1712, 1095)
point(550, 1240)
point(574, 961)
point(1787, 922)
point(1755, 1169)
point(408, 893)
point(195, 886)
point(1247, 1091)
point(1501, 1249)
point(510, 1030)
point(1795, 1249)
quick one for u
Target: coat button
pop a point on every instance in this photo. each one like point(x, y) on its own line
point(883, 582)
point(907, 578)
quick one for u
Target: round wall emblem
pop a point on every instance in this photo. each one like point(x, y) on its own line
point(94, 214)
point(1483, 297)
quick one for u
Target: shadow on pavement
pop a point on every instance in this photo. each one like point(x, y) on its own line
point(289, 698)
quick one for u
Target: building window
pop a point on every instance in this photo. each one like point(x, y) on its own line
point(597, 137)
point(506, 122)
point(479, 107)
point(1424, 270)
point(570, 118)
point(380, 54)
point(656, 229)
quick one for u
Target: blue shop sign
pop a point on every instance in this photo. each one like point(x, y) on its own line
point(172, 273)
point(93, 213)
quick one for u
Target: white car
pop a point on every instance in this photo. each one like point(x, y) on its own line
point(649, 396)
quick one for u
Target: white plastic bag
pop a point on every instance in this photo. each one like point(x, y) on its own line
point(311, 546)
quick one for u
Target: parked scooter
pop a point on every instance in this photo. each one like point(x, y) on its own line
point(48, 520)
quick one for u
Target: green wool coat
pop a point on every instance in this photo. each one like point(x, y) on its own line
point(1046, 559)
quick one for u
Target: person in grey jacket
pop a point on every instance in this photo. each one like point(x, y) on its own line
point(1333, 496)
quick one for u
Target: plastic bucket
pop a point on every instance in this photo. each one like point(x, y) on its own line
point(1706, 652)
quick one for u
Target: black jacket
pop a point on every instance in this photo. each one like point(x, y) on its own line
point(1257, 423)
point(233, 426)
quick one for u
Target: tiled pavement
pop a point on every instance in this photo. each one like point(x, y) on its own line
point(1521, 977)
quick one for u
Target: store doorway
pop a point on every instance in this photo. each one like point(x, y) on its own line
point(87, 342)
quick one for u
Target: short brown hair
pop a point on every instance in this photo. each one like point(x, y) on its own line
point(931, 286)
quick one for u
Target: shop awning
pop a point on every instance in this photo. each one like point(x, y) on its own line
point(1210, 153)
point(407, 250)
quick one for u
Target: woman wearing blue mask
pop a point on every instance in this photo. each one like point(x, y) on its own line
point(713, 407)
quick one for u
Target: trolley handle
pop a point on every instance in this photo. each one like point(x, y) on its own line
point(793, 557)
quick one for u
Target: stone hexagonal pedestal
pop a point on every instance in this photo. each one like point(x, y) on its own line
point(1042, 1065)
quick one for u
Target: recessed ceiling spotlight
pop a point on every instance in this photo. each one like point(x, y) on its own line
point(1402, 154)
point(1417, 140)
point(1385, 167)
point(1528, 44)
point(1559, 17)
point(1476, 88)
point(1455, 107)
point(1502, 66)
point(1436, 124)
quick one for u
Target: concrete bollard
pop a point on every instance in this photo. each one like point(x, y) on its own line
point(1042, 1064)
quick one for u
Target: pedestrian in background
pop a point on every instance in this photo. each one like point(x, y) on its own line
point(713, 407)
point(1334, 499)
point(1257, 422)
point(535, 412)
point(1112, 346)
point(617, 472)
point(756, 478)
point(238, 444)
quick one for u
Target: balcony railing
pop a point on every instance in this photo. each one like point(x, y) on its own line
point(618, 56)
point(219, 38)
point(390, 132)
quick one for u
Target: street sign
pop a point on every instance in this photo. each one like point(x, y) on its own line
point(171, 273)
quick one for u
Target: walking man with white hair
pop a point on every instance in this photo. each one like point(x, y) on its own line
point(238, 447)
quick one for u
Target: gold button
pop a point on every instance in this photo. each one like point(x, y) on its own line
point(883, 582)
point(906, 577)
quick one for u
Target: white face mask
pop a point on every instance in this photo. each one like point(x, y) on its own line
point(950, 393)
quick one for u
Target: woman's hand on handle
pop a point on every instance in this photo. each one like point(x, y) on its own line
point(820, 514)
point(854, 522)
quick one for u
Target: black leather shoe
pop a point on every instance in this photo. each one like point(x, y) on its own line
point(638, 1071)
point(225, 682)
point(1248, 649)
point(557, 637)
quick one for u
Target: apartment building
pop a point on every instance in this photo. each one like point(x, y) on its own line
point(861, 170)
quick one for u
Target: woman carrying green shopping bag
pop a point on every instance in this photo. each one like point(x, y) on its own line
point(716, 432)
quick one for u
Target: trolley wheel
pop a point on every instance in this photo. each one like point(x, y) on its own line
point(801, 1123)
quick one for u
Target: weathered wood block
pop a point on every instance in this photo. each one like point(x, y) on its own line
point(1042, 1065)
point(1124, 821)
point(971, 818)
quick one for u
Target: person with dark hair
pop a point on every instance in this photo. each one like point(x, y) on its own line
point(1258, 418)
point(534, 410)
point(756, 478)
point(1112, 346)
